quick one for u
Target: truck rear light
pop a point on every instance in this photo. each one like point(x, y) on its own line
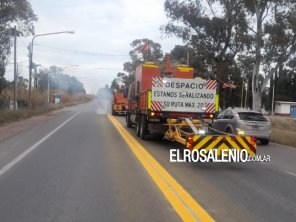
point(253, 142)
point(190, 140)
point(155, 114)
point(208, 115)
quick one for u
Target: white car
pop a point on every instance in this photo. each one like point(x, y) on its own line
point(243, 121)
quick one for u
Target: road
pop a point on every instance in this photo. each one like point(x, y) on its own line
point(77, 166)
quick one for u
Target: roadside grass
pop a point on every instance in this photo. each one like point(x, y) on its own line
point(40, 107)
point(7, 116)
point(283, 130)
point(284, 137)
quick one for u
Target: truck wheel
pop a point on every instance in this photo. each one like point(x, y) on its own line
point(138, 126)
point(113, 112)
point(128, 120)
point(144, 127)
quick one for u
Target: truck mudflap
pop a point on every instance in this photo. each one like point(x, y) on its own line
point(222, 142)
point(190, 133)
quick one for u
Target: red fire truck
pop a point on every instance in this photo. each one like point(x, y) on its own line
point(155, 97)
point(119, 104)
point(175, 105)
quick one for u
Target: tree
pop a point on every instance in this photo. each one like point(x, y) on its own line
point(259, 31)
point(22, 90)
point(216, 36)
point(13, 12)
point(274, 40)
point(153, 54)
point(59, 81)
point(122, 81)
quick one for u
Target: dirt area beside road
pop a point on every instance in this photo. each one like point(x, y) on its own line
point(10, 129)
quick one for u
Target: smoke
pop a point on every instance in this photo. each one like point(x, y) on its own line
point(104, 101)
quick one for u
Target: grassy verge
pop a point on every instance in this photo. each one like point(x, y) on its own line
point(283, 130)
point(7, 116)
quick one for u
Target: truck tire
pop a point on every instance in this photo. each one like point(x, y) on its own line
point(128, 120)
point(138, 125)
point(143, 127)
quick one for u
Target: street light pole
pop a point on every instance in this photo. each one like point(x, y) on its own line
point(242, 94)
point(47, 87)
point(31, 59)
point(15, 73)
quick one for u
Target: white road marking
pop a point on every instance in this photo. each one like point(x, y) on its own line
point(293, 174)
point(33, 147)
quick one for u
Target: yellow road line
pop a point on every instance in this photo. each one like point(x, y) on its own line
point(187, 208)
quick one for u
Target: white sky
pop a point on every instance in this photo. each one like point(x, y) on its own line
point(100, 26)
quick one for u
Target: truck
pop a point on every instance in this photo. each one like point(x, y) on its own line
point(177, 106)
point(119, 104)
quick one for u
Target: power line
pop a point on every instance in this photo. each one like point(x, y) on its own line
point(81, 52)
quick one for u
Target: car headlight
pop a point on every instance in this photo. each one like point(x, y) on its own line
point(240, 132)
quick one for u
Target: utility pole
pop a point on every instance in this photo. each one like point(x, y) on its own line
point(35, 76)
point(15, 76)
point(187, 58)
point(272, 99)
point(246, 96)
point(48, 88)
point(242, 95)
point(30, 73)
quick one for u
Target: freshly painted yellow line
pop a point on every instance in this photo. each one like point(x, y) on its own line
point(187, 208)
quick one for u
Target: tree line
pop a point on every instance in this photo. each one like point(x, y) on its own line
point(19, 14)
point(251, 43)
point(53, 78)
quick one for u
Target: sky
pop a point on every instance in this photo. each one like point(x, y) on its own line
point(104, 29)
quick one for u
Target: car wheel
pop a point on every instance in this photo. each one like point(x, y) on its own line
point(264, 141)
point(228, 130)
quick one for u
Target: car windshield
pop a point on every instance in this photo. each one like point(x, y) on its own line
point(250, 116)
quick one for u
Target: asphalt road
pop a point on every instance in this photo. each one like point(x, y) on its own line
point(85, 171)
